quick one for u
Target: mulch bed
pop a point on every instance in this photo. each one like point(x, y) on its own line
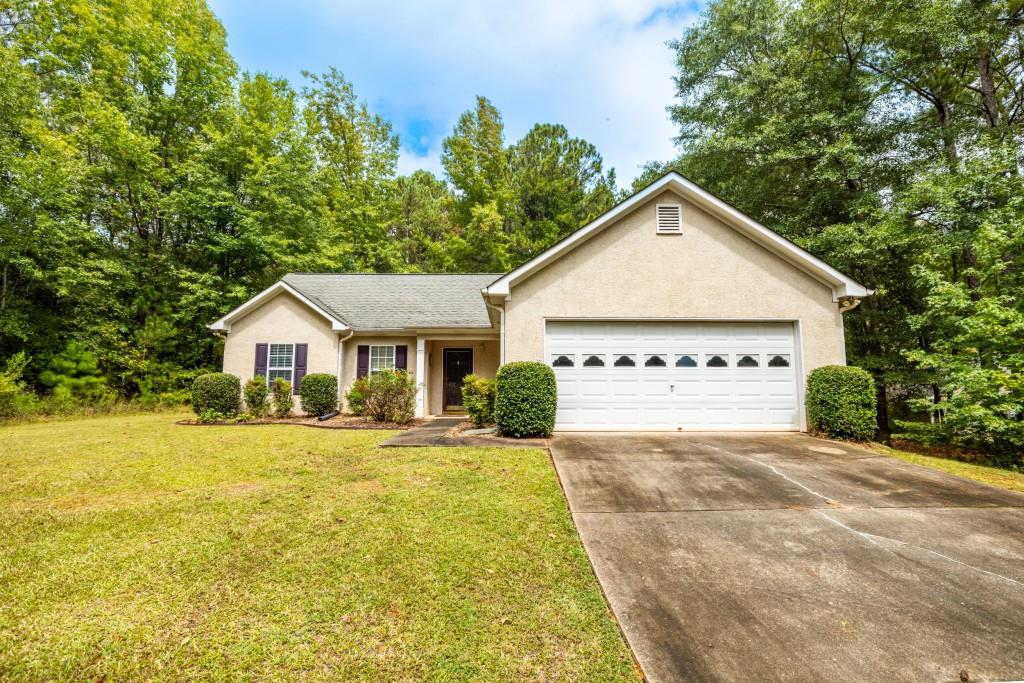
point(337, 422)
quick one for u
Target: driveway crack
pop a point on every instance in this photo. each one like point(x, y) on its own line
point(877, 540)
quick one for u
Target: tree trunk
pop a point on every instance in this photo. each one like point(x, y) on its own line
point(882, 410)
point(988, 87)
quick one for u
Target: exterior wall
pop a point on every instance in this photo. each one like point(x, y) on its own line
point(710, 271)
point(283, 319)
point(351, 350)
point(485, 364)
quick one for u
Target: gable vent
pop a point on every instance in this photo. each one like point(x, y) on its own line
point(670, 219)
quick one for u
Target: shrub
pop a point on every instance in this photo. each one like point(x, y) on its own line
point(525, 400)
point(15, 398)
point(282, 390)
point(256, 396)
point(478, 399)
point(319, 393)
point(841, 402)
point(389, 396)
point(217, 392)
point(354, 396)
point(73, 377)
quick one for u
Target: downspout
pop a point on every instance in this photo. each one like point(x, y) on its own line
point(341, 348)
point(501, 329)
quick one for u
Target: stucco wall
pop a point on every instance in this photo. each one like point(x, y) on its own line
point(351, 350)
point(283, 319)
point(710, 271)
point(485, 364)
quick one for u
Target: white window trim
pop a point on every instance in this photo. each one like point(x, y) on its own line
point(394, 360)
point(290, 368)
point(671, 230)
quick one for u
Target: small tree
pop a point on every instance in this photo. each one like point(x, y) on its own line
point(319, 393)
point(283, 402)
point(256, 396)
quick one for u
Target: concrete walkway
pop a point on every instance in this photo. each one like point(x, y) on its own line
point(434, 433)
point(770, 557)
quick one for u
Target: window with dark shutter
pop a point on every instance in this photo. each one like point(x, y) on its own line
point(401, 357)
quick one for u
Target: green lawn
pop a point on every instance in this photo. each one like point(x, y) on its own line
point(133, 548)
point(994, 476)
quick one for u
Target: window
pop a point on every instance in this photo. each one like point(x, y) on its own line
point(670, 219)
point(382, 358)
point(280, 362)
point(655, 360)
point(625, 360)
point(717, 360)
point(563, 360)
point(594, 361)
point(779, 361)
point(686, 360)
point(748, 361)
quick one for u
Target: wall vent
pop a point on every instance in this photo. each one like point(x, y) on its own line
point(670, 219)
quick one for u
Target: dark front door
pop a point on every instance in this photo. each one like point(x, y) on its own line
point(457, 364)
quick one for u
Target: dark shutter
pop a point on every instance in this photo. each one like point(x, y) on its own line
point(301, 352)
point(401, 357)
point(362, 361)
point(261, 361)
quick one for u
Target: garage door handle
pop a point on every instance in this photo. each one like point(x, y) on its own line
point(672, 387)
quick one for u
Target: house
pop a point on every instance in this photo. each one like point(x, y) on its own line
point(672, 311)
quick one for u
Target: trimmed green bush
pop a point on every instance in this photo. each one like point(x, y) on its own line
point(282, 391)
point(319, 393)
point(841, 402)
point(525, 400)
point(354, 397)
point(217, 392)
point(390, 396)
point(256, 396)
point(478, 399)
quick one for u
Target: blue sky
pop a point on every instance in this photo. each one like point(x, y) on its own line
point(601, 68)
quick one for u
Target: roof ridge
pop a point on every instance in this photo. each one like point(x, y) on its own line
point(361, 273)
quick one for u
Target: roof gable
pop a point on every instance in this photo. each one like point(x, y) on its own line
point(843, 286)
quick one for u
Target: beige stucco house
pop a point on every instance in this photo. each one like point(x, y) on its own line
point(672, 311)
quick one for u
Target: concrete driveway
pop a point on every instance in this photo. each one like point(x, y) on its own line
point(783, 557)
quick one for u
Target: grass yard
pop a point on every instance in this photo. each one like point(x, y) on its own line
point(993, 476)
point(133, 548)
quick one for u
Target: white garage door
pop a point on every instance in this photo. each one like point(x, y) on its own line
point(674, 375)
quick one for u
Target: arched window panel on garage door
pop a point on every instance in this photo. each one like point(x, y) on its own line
point(748, 360)
point(655, 360)
point(563, 360)
point(686, 360)
point(593, 360)
point(625, 360)
point(778, 360)
point(716, 360)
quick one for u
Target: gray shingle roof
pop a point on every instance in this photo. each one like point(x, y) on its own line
point(366, 301)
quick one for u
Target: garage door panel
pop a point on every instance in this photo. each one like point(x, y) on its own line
point(678, 390)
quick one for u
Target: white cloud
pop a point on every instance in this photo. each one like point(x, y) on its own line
point(601, 68)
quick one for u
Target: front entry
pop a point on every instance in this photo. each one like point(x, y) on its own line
point(457, 364)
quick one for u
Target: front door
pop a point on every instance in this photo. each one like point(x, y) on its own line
point(457, 364)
